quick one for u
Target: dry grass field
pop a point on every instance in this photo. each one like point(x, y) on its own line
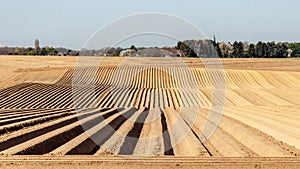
point(41, 116)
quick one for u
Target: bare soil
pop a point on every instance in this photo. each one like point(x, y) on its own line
point(144, 107)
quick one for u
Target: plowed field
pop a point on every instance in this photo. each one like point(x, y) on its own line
point(150, 107)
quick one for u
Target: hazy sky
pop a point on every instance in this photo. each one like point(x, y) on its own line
point(70, 23)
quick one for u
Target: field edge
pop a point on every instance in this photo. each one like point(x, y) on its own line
point(92, 162)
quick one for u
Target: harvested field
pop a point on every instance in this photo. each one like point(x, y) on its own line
point(129, 107)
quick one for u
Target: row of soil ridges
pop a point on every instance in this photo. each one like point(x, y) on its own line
point(153, 111)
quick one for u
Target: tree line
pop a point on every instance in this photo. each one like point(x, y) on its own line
point(44, 51)
point(188, 48)
point(28, 51)
point(209, 48)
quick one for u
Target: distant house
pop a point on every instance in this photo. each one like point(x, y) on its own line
point(61, 54)
point(166, 53)
point(171, 52)
point(107, 54)
point(159, 52)
point(128, 52)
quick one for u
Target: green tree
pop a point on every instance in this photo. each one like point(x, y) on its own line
point(259, 50)
point(265, 50)
point(185, 47)
point(44, 51)
point(17, 51)
point(217, 47)
point(295, 47)
point(272, 49)
point(241, 49)
point(251, 51)
point(29, 51)
point(133, 48)
point(51, 51)
point(238, 49)
point(282, 50)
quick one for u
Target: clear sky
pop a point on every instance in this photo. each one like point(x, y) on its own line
point(69, 23)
